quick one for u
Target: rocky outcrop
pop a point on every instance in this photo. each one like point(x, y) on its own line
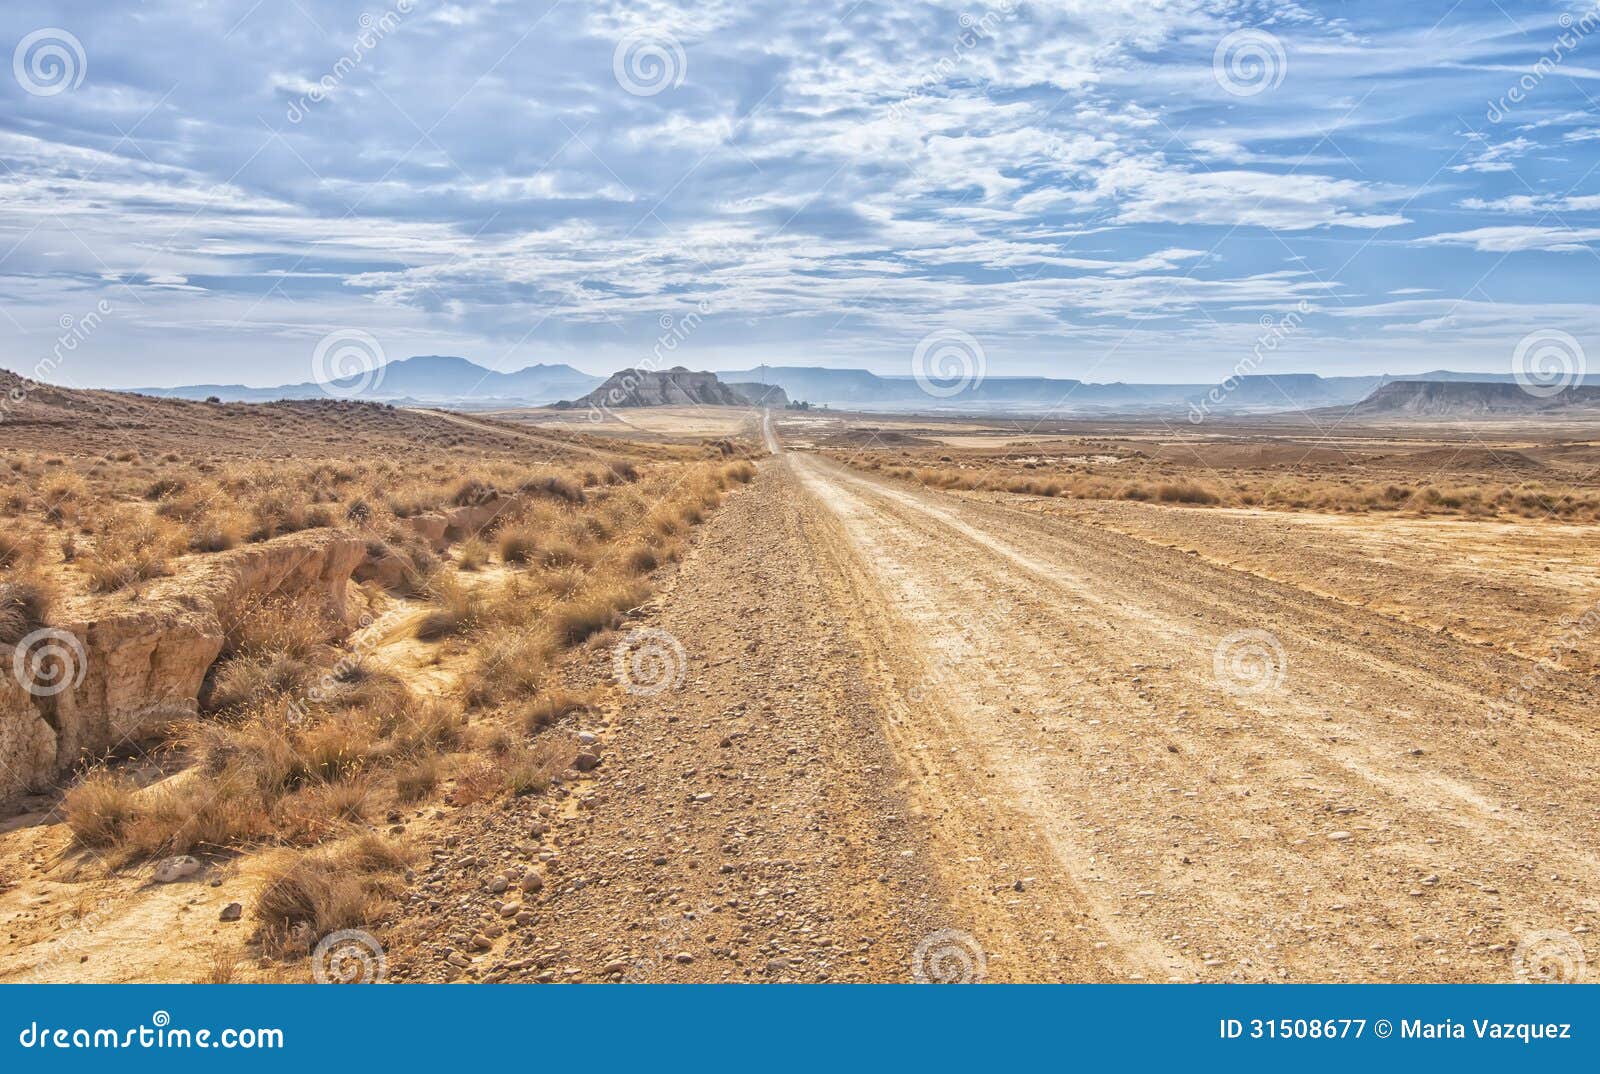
point(671, 387)
point(762, 394)
point(106, 673)
point(443, 528)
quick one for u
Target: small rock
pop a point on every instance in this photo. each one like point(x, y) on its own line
point(1340, 836)
point(586, 762)
point(231, 912)
point(497, 885)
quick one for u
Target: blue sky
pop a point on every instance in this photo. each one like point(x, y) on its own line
point(1113, 189)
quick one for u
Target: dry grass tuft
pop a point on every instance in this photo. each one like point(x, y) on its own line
point(97, 810)
point(342, 886)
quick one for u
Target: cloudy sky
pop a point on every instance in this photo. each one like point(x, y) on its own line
point(1105, 189)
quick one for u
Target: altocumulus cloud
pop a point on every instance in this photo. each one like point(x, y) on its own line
point(1078, 185)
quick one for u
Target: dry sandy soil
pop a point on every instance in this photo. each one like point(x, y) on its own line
point(904, 712)
point(869, 730)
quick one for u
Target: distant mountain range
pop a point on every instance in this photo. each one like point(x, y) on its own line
point(434, 379)
point(1255, 393)
point(438, 380)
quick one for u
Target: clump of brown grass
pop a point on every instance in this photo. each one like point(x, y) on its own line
point(472, 554)
point(98, 808)
point(132, 546)
point(518, 544)
point(417, 779)
point(336, 887)
point(25, 602)
point(279, 627)
point(18, 549)
point(551, 705)
point(460, 609)
point(532, 770)
point(552, 485)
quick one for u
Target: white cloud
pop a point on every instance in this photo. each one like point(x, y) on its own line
point(1512, 238)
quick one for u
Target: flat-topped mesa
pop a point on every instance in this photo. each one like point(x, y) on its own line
point(677, 386)
point(1472, 398)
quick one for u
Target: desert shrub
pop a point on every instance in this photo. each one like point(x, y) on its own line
point(274, 509)
point(331, 888)
point(472, 554)
point(187, 814)
point(507, 662)
point(24, 606)
point(417, 779)
point(519, 544)
point(215, 533)
point(317, 813)
point(640, 559)
point(422, 726)
point(98, 808)
point(471, 491)
point(17, 548)
point(251, 679)
point(592, 612)
point(133, 546)
point(278, 626)
point(532, 770)
point(1185, 492)
point(552, 485)
point(549, 706)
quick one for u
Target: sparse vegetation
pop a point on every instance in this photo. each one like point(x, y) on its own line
point(302, 742)
point(1374, 486)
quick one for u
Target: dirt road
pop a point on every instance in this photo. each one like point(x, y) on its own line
point(1096, 757)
